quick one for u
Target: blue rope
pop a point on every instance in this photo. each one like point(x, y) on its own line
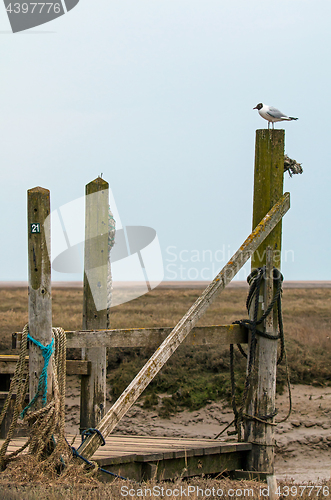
point(85, 434)
point(47, 352)
point(77, 455)
point(89, 432)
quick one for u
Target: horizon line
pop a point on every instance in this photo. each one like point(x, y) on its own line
point(173, 284)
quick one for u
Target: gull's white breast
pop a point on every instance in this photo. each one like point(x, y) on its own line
point(264, 114)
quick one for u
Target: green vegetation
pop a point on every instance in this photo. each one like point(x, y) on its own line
point(192, 376)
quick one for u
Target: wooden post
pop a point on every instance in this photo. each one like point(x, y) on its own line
point(185, 325)
point(268, 187)
point(40, 300)
point(95, 312)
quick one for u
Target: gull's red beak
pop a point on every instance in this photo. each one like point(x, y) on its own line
point(255, 107)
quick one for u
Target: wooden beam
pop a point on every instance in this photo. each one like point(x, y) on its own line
point(73, 367)
point(185, 325)
point(150, 337)
point(153, 337)
point(40, 301)
point(78, 367)
point(95, 312)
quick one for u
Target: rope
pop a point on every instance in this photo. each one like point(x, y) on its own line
point(18, 385)
point(255, 280)
point(292, 166)
point(75, 452)
point(223, 430)
point(94, 464)
point(48, 421)
point(47, 352)
point(89, 432)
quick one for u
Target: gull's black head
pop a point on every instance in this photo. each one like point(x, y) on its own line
point(259, 106)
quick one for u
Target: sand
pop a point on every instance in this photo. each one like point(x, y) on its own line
point(303, 442)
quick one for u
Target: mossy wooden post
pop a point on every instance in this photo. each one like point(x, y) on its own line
point(268, 187)
point(40, 300)
point(95, 312)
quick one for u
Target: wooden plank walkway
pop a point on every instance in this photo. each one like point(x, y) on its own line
point(142, 457)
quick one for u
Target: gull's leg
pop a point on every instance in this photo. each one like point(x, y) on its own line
point(268, 125)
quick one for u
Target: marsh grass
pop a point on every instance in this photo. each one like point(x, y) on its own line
point(192, 376)
point(200, 489)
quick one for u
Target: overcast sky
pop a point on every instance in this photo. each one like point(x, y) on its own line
point(158, 95)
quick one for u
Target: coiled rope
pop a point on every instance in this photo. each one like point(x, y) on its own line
point(255, 280)
point(48, 422)
point(47, 436)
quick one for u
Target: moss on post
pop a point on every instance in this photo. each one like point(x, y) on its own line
point(268, 188)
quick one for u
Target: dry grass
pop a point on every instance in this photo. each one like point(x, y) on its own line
point(158, 308)
point(200, 488)
point(306, 312)
point(307, 321)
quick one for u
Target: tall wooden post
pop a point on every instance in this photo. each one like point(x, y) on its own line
point(95, 311)
point(268, 187)
point(40, 301)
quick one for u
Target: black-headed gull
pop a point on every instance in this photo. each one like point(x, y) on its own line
point(272, 114)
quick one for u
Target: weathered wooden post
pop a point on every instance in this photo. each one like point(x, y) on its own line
point(268, 187)
point(40, 300)
point(95, 311)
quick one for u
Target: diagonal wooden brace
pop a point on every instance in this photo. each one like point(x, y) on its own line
point(185, 325)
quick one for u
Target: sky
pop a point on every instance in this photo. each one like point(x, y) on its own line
point(158, 95)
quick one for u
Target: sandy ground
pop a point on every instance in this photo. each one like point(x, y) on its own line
point(303, 442)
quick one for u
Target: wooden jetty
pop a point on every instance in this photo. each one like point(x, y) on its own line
point(139, 457)
point(142, 458)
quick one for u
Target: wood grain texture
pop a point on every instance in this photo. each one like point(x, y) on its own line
point(73, 367)
point(150, 337)
point(185, 325)
point(143, 458)
point(153, 337)
point(95, 312)
point(262, 394)
point(268, 188)
point(131, 447)
point(40, 301)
